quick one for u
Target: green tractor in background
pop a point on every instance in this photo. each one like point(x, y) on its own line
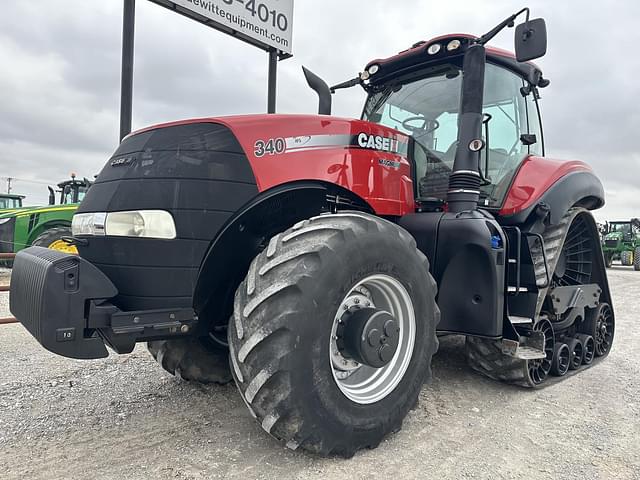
point(622, 242)
point(8, 201)
point(46, 226)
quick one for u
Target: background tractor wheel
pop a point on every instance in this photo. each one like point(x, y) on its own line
point(626, 258)
point(636, 259)
point(608, 259)
point(53, 239)
point(333, 332)
point(193, 359)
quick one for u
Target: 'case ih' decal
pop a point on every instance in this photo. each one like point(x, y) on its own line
point(275, 146)
point(377, 142)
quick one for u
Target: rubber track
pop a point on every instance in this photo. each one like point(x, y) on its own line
point(274, 279)
point(485, 355)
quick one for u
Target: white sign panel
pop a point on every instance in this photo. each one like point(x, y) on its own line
point(268, 22)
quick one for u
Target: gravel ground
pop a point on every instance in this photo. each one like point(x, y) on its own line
point(123, 417)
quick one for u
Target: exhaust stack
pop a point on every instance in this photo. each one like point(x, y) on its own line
point(322, 89)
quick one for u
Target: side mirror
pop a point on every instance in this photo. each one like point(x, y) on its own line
point(531, 40)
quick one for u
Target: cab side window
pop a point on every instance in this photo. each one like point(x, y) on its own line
point(508, 116)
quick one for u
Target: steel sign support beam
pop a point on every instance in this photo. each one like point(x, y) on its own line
point(126, 82)
point(273, 73)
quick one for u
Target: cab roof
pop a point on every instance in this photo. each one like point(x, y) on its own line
point(417, 57)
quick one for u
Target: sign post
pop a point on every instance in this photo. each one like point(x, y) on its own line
point(126, 80)
point(266, 24)
point(273, 73)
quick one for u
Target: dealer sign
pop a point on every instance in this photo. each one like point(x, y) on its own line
point(267, 24)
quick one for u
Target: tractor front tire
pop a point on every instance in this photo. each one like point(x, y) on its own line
point(636, 259)
point(193, 359)
point(54, 239)
point(608, 259)
point(285, 335)
point(626, 258)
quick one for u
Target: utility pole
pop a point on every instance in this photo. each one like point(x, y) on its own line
point(9, 180)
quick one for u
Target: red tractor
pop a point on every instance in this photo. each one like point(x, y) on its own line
point(315, 260)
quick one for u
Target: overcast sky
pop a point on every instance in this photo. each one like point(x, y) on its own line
point(59, 87)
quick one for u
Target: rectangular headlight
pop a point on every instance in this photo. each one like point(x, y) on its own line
point(141, 223)
point(137, 223)
point(88, 223)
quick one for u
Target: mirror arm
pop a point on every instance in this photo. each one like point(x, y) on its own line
point(507, 23)
point(348, 84)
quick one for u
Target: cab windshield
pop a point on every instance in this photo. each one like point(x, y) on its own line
point(426, 107)
point(73, 194)
point(9, 203)
point(620, 227)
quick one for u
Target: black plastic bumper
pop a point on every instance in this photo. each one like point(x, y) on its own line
point(62, 300)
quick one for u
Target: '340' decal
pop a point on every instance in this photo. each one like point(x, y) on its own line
point(273, 146)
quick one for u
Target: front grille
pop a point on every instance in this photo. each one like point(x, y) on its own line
point(611, 243)
point(7, 232)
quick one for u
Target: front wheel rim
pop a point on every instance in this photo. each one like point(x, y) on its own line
point(361, 383)
point(64, 247)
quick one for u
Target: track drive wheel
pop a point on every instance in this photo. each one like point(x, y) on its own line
point(333, 332)
point(636, 259)
point(193, 359)
point(54, 239)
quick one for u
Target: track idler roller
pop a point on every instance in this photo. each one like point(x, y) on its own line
point(588, 348)
point(600, 324)
point(576, 353)
point(561, 358)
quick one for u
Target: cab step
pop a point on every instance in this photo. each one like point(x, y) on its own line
point(530, 348)
point(516, 320)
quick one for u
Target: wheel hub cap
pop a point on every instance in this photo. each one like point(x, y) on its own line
point(383, 334)
point(369, 336)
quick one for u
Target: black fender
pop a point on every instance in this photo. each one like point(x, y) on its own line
point(576, 189)
point(247, 233)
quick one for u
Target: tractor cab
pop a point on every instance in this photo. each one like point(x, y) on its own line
point(419, 92)
point(9, 201)
point(626, 229)
point(71, 191)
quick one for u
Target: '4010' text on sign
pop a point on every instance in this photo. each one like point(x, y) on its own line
point(268, 22)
